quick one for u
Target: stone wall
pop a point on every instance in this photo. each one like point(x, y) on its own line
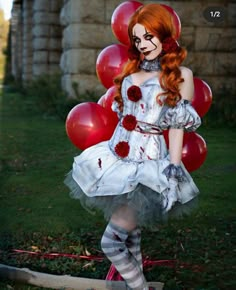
point(67, 36)
point(211, 46)
point(36, 35)
point(47, 34)
point(87, 30)
point(16, 41)
point(27, 48)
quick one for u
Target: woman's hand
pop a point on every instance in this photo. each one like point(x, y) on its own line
point(175, 175)
point(170, 198)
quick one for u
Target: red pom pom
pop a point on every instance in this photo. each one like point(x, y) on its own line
point(134, 93)
point(129, 122)
point(122, 149)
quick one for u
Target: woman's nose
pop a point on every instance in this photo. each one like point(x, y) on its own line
point(143, 48)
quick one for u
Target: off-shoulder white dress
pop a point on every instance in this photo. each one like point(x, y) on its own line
point(128, 168)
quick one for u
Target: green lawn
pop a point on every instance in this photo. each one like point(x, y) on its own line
point(36, 211)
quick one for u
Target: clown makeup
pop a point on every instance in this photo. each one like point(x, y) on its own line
point(147, 43)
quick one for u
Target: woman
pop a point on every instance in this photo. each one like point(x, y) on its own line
point(132, 177)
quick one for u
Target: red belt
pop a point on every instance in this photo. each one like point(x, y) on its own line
point(147, 128)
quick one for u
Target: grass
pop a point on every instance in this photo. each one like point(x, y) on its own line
point(37, 214)
point(35, 156)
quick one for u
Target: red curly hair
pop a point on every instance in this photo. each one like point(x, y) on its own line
point(159, 22)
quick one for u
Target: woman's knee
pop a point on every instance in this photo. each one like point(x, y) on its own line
point(124, 218)
point(113, 238)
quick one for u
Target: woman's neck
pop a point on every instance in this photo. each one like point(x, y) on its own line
point(150, 65)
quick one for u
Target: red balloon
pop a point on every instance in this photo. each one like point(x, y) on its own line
point(101, 101)
point(106, 102)
point(120, 20)
point(110, 63)
point(166, 137)
point(194, 151)
point(107, 99)
point(202, 97)
point(88, 124)
point(176, 20)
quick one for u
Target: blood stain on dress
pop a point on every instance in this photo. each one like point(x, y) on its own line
point(100, 163)
point(142, 106)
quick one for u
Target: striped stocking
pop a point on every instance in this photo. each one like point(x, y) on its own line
point(133, 244)
point(114, 245)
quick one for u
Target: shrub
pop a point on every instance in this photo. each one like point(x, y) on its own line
point(222, 111)
point(46, 94)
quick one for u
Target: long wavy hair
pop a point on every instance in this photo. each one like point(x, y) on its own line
point(157, 20)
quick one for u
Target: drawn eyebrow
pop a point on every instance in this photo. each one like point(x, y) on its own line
point(147, 33)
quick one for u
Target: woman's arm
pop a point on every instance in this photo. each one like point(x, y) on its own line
point(173, 171)
point(176, 135)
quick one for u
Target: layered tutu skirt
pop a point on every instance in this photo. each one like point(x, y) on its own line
point(101, 180)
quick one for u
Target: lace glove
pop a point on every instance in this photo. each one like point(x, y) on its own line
point(174, 174)
point(171, 196)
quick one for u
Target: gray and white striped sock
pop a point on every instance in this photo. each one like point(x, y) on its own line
point(133, 244)
point(114, 246)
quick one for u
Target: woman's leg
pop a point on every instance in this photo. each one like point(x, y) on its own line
point(133, 244)
point(114, 245)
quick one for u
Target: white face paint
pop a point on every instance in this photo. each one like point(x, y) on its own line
point(148, 44)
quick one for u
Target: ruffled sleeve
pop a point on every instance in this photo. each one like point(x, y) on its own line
point(176, 172)
point(182, 116)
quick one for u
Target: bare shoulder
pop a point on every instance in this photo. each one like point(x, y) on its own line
point(187, 86)
point(186, 72)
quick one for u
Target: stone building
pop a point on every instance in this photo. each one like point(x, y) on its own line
point(66, 37)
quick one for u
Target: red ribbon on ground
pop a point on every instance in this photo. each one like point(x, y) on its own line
point(113, 274)
point(146, 262)
point(56, 255)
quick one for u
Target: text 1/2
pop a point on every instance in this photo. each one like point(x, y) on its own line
point(215, 13)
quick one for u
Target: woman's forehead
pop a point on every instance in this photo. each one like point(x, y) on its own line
point(139, 29)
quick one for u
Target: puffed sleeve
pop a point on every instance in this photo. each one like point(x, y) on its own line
point(182, 116)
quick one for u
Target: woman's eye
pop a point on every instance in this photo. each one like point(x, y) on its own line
point(136, 40)
point(148, 37)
